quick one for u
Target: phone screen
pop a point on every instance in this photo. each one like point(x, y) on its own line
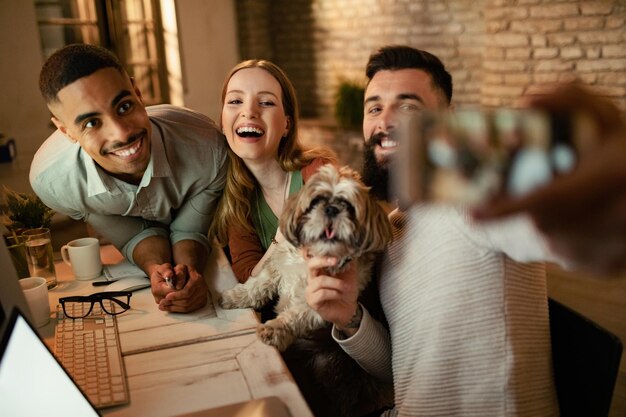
point(469, 156)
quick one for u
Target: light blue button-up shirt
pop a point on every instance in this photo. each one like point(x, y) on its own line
point(176, 197)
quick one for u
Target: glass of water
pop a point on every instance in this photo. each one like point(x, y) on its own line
point(39, 255)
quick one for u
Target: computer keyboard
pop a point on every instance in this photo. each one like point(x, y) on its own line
point(89, 349)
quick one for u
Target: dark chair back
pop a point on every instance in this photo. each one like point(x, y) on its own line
point(586, 361)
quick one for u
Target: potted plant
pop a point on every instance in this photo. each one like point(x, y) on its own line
point(349, 116)
point(26, 211)
point(349, 105)
point(22, 211)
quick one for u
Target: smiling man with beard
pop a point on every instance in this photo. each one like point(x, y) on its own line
point(468, 329)
point(147, 178)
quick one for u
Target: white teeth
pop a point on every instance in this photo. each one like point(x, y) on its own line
point(250, 129)
point(130, 151)
point(388, 143)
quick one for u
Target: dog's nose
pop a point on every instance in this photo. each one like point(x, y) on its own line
point(331, 211)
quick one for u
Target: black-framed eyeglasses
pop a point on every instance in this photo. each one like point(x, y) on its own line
point(111, 302)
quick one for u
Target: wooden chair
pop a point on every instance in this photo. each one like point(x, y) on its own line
point(586, 361)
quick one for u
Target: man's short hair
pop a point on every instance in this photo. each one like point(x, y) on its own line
point(398, 57)
point(71, 63)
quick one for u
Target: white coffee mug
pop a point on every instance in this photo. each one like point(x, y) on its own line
point(35, 291)
point(84, 257)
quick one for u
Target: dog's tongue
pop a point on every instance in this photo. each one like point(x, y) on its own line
point(330, 233)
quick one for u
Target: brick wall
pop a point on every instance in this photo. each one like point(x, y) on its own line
point(496, 50)
point(544, 41)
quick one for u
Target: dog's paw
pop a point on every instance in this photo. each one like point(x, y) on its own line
point(274, 333)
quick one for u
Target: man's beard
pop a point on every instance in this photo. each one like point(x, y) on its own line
point(375, 174)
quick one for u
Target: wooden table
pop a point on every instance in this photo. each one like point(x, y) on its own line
point(181, 363)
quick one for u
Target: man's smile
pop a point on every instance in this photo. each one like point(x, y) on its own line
point(134, 145)
point(388, 143)
point(384, 146)
point(128, 151)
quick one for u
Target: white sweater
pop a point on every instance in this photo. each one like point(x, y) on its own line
point(468, 324)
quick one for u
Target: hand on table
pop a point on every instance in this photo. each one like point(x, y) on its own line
point(188, 294)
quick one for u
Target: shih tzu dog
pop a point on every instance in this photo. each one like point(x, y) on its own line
point(332, 215)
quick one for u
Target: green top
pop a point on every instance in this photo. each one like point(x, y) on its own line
point(265, 221)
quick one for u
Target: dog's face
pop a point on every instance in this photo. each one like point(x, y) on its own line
point(333, 214)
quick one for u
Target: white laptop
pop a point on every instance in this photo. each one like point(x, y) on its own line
point(32, 382)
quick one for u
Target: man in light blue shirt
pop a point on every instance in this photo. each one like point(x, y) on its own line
point(147, 179)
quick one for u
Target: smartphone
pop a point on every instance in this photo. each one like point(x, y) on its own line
point(470, 156)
